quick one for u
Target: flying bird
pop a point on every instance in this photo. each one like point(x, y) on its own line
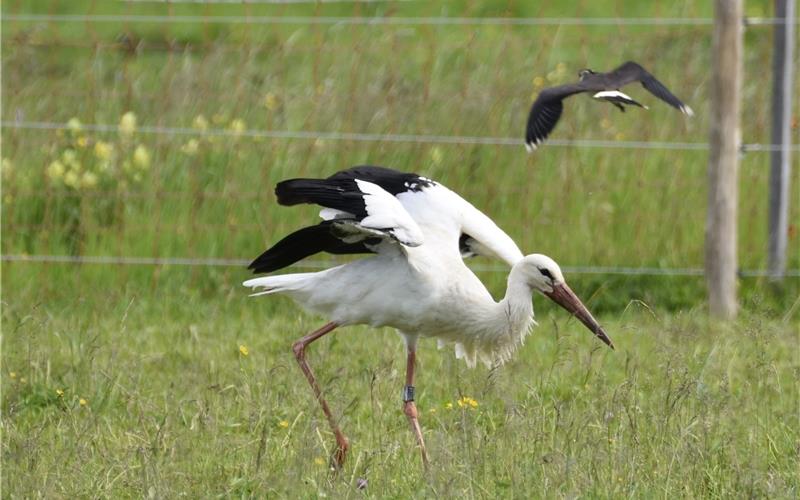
point(547, 108)
point(416, 282)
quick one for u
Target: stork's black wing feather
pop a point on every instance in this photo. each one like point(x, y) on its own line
point(306, 242)
point(546, 111)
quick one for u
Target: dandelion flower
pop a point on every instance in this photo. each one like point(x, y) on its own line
point(319, 461)
point(74, 125)
point(83, 402)
point(103, 150)
point(141, 157)
point(89, 180)
point(55, 170)
point(200, 123)
point(270, 101)
point(191, 147)
point(60, 393)
point(243, 350)
point(71, 179)
point(127, 124)
point(283, 424)
point(237, 126)
point(448, 406)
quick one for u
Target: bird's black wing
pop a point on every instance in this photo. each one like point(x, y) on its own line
point(324, 237)
point(546, 111)
point(341, 192)
point(633, 72)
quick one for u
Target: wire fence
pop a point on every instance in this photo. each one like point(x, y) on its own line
point(407, 138)
point(353, 83)
point(382, 21)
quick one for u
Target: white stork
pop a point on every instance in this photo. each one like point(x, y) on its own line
point(417, 282)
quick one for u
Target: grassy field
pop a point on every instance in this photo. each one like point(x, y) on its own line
point(167, 380)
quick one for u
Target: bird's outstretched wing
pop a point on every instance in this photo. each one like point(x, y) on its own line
point(370, 208)
point(328, 236)
point(633, 72)
point(546, 111)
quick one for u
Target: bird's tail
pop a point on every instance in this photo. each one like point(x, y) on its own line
point(276, 284)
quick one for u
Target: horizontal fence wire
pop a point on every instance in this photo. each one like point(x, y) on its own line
point(216, 262)
point(404, 138)
point(382, 21)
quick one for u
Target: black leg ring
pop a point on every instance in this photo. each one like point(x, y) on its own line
point(408, 393)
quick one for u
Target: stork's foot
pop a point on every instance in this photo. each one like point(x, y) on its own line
point(410, 409)
point(340, 453)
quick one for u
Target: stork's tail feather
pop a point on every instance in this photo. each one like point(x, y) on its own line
point(266, 285)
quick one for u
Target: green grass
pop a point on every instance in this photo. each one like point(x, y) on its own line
point(685, 407)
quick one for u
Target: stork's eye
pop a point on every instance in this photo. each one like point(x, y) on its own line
point(545, 272)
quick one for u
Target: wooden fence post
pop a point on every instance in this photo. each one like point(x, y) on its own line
point(723, 167)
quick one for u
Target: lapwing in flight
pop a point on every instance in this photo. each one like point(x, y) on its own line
point(547, 108)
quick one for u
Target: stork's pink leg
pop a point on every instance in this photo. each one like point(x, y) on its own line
point(409, 408)
point(299, 348)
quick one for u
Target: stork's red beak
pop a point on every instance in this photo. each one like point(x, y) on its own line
point(566, 298)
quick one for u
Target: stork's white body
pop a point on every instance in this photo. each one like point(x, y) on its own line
point(426, 290)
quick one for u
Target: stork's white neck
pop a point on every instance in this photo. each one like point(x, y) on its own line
point(517, 303)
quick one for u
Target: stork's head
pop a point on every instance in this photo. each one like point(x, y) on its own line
point(584, 73)
point(543, 274)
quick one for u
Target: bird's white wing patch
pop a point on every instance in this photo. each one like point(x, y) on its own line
point(332, 213)
point(386, 213)
point(616, 96)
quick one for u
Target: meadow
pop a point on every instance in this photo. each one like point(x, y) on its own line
point(164, 381)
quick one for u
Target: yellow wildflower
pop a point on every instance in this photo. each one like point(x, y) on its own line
point(60, 393)
point(74, 125)
point(620, 136)
point(89, 180)
point(70, 159)
point(12, 374)
point(270, 101)
point(436, 155)
point(283, 424)
point(55, 170)
point(191, 147)
point(432, 410)
point(103, 150)
point(243, 350)
point(200, 123)
point(71, 179)
point(237, 126)
point(83, 402)
point(319, 461)
point(82, 141)
point(448, 406)
point(127, 124)
point(467, 401)
point(538, 82)
point(7, 168)
point(141, 157)
point(22, 380)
